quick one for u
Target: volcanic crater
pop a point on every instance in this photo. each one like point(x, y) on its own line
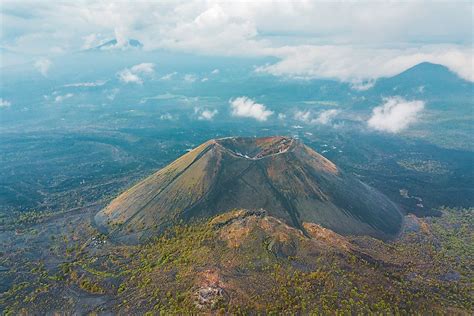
point(279, 174)
point(256, 148)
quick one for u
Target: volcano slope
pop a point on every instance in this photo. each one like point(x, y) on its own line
point(279, 174)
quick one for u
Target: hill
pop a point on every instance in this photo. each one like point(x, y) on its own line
point(279, 174)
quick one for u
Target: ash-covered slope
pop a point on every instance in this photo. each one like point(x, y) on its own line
point(279, 174)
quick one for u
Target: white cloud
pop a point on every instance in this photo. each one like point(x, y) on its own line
point(209, 28)
point(164, 96)
point(136, 73)
point(166, 117)
point(356, 64)
point(363, 85)
point(92, 40)
point(86, 84)
point(245, 107)
point(43, 65)
point(190, 78)
point(205, 115)
point(175, 23)
point(61, 98)
point(4, 103)
point(127, 76)
point(395, 115)
point(326, 117)
point(303, 116)
point(111, 94)
point(346, 40)
point(169, 76)
point(143, 68)
point(215, 72)
point(281, 116)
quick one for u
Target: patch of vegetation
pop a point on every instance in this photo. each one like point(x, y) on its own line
point(270, 269)
point(259, 279)
point(426, 166)
point(22, 219)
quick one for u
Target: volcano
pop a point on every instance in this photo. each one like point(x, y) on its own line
point(281, 175)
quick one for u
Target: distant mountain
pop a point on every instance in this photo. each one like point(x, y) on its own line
point(425, 77)
point(279, 174)
point(132, 43)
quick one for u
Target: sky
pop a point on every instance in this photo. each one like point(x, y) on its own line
point(349, 41)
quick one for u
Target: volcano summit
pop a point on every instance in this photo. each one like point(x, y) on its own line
point(289, 180)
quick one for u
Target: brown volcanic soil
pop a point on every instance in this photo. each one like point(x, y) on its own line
point(279, 174)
